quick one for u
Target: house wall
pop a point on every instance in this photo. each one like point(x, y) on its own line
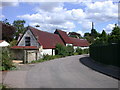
point(80, 47)
point(33, 40)
point(48, 51)
point(69, 44)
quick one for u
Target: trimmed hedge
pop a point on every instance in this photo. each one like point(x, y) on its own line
point(106, 54)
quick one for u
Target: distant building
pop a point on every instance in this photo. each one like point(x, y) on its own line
point(3, 43)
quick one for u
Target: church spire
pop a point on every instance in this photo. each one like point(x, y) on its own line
point(92, 25)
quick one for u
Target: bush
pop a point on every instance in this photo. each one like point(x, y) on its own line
point(64, 50)
point(46, 58)
point(60, 50)
point(69, 50)
point(85, 51)
point(6, 59)
point(79, 51)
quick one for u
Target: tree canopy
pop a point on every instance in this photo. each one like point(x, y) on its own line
point(19, 25)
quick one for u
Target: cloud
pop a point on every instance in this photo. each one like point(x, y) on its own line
point(54, 15)
point(80, 32)
point(109, 28)
point(102, 11)
point(1, 17)
point(4, 4)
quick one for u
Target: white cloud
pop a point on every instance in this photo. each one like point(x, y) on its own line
point(80, 32)
point(102, 11)
point(109, 28)
point(1, 17)
point(53, 15)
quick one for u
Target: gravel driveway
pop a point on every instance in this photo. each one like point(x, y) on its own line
point(65, 72)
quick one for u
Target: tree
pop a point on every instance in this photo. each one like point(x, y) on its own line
point(86, 34)
point(94, 33)
point(74, 34)
point(104, 34)
point(114, 37)
point(8, 32)
point(6, 22)
point(116, 30)
point(19, 24)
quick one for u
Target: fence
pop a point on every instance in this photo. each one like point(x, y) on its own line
point(106, 54)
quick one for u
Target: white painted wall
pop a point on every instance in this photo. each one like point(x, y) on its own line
point(80, 47)
point(33, 41)
point(47, 51)
point(4, 44)
point(69, 44)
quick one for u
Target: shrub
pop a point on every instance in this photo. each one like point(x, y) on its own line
point(69, 50)
point(60, 50)
point(6, 59)
point(46, 58)
point(79, 51)
point(85, 51)
point(75, 53)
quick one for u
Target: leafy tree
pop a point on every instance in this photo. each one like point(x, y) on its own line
point(37, 25)
point(104, 34)
point(8, 32)
point(94, 33)
point(19, 24)
point(86, 34)
point(114, 37)
point(74, 34)
point(116, 30)
point(6, 22)
point(13, 43)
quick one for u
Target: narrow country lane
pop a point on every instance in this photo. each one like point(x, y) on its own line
point(66, 72)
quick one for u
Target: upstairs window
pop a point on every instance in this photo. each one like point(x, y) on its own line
point(27, 41)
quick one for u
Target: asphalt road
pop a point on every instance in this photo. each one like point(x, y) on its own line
point(66, 72)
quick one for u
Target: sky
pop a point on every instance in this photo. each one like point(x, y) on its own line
point(70, 16)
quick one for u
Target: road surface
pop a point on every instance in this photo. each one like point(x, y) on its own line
point(66, 72)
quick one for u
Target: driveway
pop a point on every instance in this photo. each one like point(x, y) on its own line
point(66, 72)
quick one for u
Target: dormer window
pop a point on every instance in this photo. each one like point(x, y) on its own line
point(27, 41)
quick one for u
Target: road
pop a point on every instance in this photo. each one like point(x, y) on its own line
point(66, 72)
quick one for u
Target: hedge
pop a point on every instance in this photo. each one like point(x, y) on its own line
point(106, 54)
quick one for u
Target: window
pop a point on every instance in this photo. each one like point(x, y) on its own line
point(27, 41)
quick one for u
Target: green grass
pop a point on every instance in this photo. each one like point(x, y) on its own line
point(46, 58)
point(2, 87)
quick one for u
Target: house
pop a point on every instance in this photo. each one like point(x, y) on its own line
point(34, 43)
point(63, 35)
point(3, 43)
point(75, 42)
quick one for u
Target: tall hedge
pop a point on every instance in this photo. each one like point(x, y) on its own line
point(106, 54)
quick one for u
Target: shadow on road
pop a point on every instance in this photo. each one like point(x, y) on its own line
point(109, 70)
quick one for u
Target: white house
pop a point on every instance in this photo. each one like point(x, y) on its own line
point(3, 43)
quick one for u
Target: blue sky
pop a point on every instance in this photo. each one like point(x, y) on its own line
point(68, 16)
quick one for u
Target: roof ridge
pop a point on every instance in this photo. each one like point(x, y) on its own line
point(41, 30)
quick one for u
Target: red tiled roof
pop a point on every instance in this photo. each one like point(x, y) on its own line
point(64, 36)
point(47, 40)
point(24, 47)
point(79, 42)
point(1, 41)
